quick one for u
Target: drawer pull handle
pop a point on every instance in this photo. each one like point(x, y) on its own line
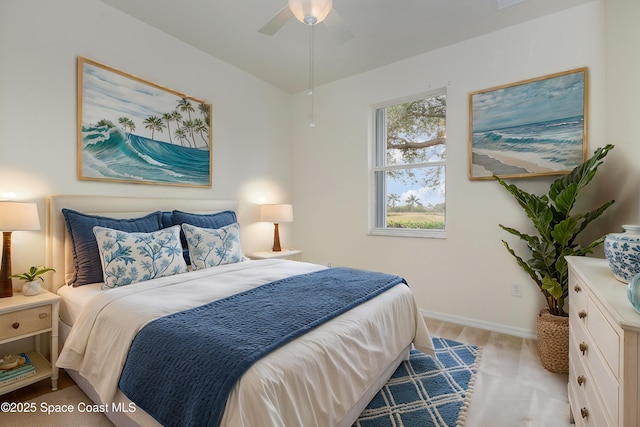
point(577, 288)
point(584, 412)
point(583, 348)
point(16, 325)
point(44, 315)
point(582, 314)
point(581, 380)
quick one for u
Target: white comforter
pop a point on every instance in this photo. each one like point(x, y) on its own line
point(314, 380)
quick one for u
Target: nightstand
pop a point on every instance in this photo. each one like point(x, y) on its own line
point(31, 316)
point(292, 254)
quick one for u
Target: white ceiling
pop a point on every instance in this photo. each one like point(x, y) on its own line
point(385, 31)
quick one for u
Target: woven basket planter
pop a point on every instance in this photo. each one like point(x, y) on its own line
point(553, 342)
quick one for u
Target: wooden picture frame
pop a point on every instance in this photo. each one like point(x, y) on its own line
point(135, 131)
point(534, 127)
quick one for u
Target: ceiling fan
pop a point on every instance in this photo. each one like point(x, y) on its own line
point(310, 12)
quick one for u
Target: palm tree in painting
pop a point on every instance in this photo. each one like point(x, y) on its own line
point(127, 124)
point(105, 122)
point(168, 118)
point(205, 110)
point(185, 105)
point(181, 136)
point(188, 126)
point(198, 126)
point(154, 123)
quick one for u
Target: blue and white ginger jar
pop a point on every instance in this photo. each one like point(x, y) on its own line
point(623, 252)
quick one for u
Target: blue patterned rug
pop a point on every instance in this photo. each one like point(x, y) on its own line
point(425, 392)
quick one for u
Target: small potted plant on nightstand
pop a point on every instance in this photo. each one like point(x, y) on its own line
point(32, 285)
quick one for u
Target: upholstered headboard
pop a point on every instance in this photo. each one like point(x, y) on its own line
point(58, 246)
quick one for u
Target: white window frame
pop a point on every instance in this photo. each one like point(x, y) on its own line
point(377, 208)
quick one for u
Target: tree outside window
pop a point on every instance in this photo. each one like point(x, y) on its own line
point(408, 173)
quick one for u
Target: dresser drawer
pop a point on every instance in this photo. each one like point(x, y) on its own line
point(577, 294)
point(585, 311)
point(589, 372)
point(24, 322)
point(586, 408)
point(605, 337)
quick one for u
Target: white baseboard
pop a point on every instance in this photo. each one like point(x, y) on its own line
point(495, 327)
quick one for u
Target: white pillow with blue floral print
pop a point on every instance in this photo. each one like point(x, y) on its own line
point(134, 257)
point(210, 247)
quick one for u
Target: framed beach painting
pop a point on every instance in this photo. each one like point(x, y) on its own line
point(530, 128)
point(131, 130)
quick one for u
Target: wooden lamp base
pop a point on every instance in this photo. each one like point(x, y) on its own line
point(6, 284)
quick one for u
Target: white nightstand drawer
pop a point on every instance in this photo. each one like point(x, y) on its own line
point(24, 322)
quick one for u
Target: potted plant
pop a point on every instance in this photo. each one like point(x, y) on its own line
point(32, 285)
point(557, 228)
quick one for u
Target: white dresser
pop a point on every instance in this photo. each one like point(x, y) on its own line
point(604, 347)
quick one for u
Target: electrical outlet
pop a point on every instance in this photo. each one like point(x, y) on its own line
point(516, 289)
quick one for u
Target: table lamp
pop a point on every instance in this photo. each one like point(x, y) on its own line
point(276, 214)
point(14, 216)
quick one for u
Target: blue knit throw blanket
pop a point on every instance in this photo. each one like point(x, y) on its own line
point(182, 367)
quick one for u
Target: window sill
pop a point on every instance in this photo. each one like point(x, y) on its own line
point(405, 232)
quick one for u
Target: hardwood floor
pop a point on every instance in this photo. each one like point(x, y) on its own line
point(512, 389)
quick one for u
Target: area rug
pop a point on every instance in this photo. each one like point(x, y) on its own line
point(424, 391)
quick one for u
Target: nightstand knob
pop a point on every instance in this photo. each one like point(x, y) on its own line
point(42, 315)
point(577, 288)
point(16, 325)
point(583, 348)
point(581, 380)
point(582, 314)
point(584, 412)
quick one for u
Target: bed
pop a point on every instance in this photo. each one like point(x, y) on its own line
point(324, 375)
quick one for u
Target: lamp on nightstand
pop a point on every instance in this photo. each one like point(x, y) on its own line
point(276, 214)
point(14, 216)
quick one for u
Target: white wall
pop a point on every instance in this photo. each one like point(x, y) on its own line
point(468, 275)
point(39, 44)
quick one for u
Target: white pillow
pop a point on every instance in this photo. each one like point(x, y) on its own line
point(134, 257)
point(210, 247)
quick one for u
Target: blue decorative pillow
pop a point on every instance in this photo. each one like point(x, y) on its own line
point(214, 220)
point(86, 259)
point(209, 247)
point(134, 257)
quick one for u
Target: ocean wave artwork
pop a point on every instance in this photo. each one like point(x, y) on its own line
point(531, 128)
point(108, 153)
point(135, 131)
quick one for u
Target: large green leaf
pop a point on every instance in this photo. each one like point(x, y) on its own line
point(564, 231)
point(566, 198)
point(552, 286)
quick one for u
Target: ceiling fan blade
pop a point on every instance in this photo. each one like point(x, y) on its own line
point(275, 23)
point(337, 28)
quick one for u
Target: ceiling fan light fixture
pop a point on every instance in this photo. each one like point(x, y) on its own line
point(310, 12)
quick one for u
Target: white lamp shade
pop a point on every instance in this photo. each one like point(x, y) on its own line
point(18, 216)
point(319, 9)
point(276, 213)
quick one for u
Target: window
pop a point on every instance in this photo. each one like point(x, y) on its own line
point(408, 167)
